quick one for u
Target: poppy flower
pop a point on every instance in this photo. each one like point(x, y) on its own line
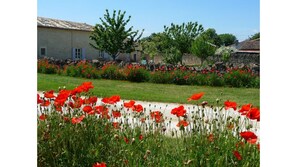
point(42, 117)
point(182, 123)
point(114, 99)
point(45, 103)
point(129, 104)
point(97, 164)
point(157, 115)
point(230, 104)
point(126, 140)
point(38, 99)
point(116, 114)
point(140, 137)
point(87, 109)
point(196, 96)
point(178, 111)
point(100, 109)
point(248, 135)
point(237, 155)
point(115, 125)
point(244, 109)
point(49, 94)
point(76, 120)
point(86, 86)
point(254, 113)
point(210, 138)
point(104, 114)
point(138, 108)
point(105, 100)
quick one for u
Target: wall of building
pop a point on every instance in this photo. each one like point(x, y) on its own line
point(59, 43)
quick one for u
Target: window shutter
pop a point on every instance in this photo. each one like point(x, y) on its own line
point(83, 54)
point(73, 53)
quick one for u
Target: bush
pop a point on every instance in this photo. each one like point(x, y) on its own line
point(161, 77)
point(110, 71)
point(137, 74)
point(82, 69)
point(44, 67)
point(240, 78)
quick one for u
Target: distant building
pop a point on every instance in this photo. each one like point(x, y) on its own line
point(65, 40)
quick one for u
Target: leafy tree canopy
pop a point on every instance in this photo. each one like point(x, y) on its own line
point(112, 36)
point(212, 36)
point(255, 36)
point(227, 39)
point(203, 48)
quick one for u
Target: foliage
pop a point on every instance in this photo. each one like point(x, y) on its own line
point(180, 38)
point(111, 71)
point(255, 36)
point(154, 44)
point(161, 77)
point(203, 48)
point(82, 69)
point(225, 53)
point(43, 66)
point(120, 133)
point(112, 36)
point(137, 74)
point(172, 55)
point(241, 78)
point(212, 36)
point(227, 39)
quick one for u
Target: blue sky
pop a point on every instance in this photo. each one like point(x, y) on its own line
point(238, 17)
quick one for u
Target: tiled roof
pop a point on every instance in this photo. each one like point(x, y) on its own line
point(55, 23)
point(250, 45)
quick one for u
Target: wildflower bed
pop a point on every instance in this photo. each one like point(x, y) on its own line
point(76, 128)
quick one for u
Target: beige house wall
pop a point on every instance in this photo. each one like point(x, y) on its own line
point(59, 43)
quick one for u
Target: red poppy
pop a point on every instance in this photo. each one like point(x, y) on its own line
point(115, 125)
point(97, 164)
point(86, 86)
point(138, 108)
point(129, 104)
point(38, 99)
point(248, 135)
point(230, 104)
point(49, 94)
point(196, 96)
point(252, 141)
point(210, 138)
point(77, 103)
point(254, 113)
point(45, 103)
point(42, 117)
point(182, 123)
point(157, 115)
point(66, 119)
point(116, 114)
point(237, 155)
point(100, 109)
point(126, 140)
point(104, 114)
point(114, 99)
point(244, 109)
point(87, 109)
point(105, 100)
point(140, 137)
point(76, 120)
point(178, 111)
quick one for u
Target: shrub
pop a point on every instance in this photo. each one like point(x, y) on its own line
point(137, 74)
point(162, 77)
point(82, 69)
point(110, 71)
point(44, 67)
point(240, 78)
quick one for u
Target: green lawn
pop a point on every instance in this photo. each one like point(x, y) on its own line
point(151, 92)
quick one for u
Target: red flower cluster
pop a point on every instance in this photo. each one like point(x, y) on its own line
point(178, 111)
point(182, 123)
point(252, 113)
point(157, 115)
point(129, 104)
point(249, 136)
point(97, 164)
point(111, 100)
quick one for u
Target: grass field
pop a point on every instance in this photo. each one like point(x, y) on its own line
point(151, 92)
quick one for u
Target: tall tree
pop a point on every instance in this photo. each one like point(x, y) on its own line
point(212, 36)
point(203, 48)
point(112, 36)
point(180, 38)
point(227, 39)
point(255, 36)
point(154, 44)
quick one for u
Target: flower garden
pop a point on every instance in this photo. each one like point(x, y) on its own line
point(76, 128)
point(180, 75)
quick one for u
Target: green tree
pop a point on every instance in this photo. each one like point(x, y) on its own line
point(180, 38)
point(213, 36)
point(203, 48)
point(255, 36)
point(227, 39)
point(154, 44)
point(112, 36)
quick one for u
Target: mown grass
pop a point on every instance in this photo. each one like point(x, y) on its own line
point(151, 92)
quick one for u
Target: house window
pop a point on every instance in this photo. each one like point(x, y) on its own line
point(43, 51)
point(78, 53)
